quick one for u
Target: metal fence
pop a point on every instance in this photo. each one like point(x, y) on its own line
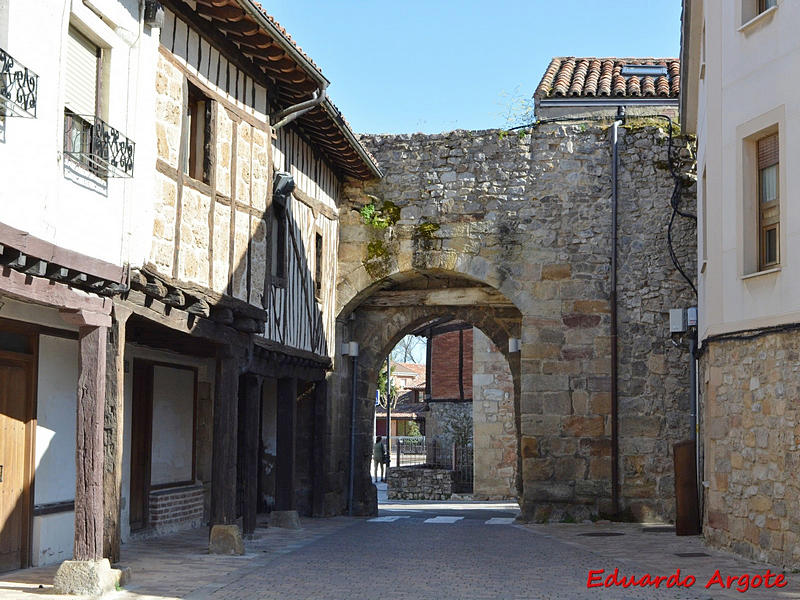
point(422, 452)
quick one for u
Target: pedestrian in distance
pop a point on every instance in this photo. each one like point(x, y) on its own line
point(379, 458)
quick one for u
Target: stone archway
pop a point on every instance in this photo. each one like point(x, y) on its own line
point(485, 222)
point(377, 327)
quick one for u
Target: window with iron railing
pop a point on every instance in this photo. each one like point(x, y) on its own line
point(103, 150)
point(88, 140)
point(18, 88)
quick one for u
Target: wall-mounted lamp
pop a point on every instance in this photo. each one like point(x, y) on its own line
point(153, 14)
point(350, 349)
point(283, 184)
point(514, 344)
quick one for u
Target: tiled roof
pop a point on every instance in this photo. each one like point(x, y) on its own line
point(285, 33)
point(570, 77)
point(405, 408)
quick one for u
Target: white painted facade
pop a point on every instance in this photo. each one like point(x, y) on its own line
point(742, 73)
point(63, 204)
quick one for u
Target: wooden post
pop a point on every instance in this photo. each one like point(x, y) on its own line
point(89, 444)
point(319, 451)
point(114, 428)
point(286, 443)
point(223, 462)
point(251, 458)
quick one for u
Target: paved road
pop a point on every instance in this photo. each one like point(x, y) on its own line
point(416, 556)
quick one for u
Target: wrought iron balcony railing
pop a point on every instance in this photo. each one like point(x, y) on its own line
point(91, 142)
point(18, 88)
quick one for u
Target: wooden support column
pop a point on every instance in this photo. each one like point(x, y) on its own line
point(89, 444)
point(250, 438)
point(223, 463)
point(320, 448)
point(286, 443)
point(114, 428)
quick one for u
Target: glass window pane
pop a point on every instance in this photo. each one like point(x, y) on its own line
point(771, 246)
point(15, 342)
point(769, 184)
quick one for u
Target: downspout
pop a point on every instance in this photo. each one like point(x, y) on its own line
point(352, 434)
point(613, 301)
point(289, 114)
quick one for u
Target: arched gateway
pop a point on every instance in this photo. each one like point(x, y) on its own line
point(512, 235)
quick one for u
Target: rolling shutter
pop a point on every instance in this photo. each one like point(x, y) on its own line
point(80, 88)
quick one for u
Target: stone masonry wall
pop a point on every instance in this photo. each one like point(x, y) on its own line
point(530, 215)
point(751, 433)
point(494, 435)
point(419, 483)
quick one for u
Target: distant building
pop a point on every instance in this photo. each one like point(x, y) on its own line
point(594, 87)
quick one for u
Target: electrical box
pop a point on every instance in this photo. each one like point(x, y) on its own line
point(691, 316)
point(677, 320)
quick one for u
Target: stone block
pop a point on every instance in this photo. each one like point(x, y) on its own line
point(86, 577)
point(225, 539)
point(577, 426)
point(556, 271)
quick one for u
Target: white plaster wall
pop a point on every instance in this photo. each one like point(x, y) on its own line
point(173, 425)
point(55, 427)
point(86, 216)
point(53, 538)
point(748, 73)
point(57, 384)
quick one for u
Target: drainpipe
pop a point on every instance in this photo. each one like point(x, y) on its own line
point(613, 300)
point(289, 114)
point(352, 350)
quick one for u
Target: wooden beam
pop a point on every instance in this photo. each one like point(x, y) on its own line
point(33, 246)
point(223, 462)
point(43, 291)
point(89, 444)
point(468, 296)
point(114, 416)
point(250, 435)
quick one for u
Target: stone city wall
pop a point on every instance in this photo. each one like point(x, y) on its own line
point(529, 213)
point(751, 431)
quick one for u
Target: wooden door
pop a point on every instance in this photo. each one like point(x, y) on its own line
point(15, 445)
point(141, 435)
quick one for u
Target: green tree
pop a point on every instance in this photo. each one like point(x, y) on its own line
point(393, 391)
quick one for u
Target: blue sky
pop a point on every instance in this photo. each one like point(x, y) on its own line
point(403, 66)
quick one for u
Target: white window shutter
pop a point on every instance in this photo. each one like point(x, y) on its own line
point(80, 88)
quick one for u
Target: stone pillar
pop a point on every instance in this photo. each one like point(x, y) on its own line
point(114, 428)
point(286, 444)
point(225, 537)
point(250, 454)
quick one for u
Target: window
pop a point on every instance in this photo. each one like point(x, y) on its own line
point(768, 201)
point(80, 94)
point(752, 8)
point(196, 136)
point(318, 265)
point(278, 243)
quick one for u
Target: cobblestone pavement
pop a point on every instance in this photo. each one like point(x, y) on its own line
point(421, 551)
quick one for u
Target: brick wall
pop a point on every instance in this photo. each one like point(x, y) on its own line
point(444, 365)
point(176, 508)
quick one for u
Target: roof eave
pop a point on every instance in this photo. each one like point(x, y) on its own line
point(312, 70)
point(607, 101)
point(352, 139)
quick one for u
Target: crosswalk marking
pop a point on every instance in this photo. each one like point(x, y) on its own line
point(386, 519)
point(500, 521)
point(443, 519)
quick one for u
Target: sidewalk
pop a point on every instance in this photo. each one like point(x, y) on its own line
point(179, 565)
point(655, 549)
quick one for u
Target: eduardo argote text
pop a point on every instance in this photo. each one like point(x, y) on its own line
point(599, 578)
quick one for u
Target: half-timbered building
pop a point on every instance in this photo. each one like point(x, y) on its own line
point(186, 312)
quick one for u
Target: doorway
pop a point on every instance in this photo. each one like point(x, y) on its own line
point(17, 361)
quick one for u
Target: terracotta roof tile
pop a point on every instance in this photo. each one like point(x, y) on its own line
point(570, 77)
